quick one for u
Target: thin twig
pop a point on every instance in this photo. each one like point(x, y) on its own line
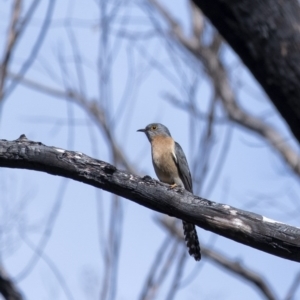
point(208, 55)
point(12, 37)
point(150, 280)
point(233, 266)
point(177, 276)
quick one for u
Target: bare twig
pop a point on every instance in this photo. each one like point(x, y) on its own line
point(208, 55)
point(178, 275)
point(205, 145)
point(60, 278)
point(156, 284)
point(90, 106)
point(12, 36)
point(157, 262)
point(46, 234)
point(197, 21)
point(271, 55)
point(233, 266)
point(295, 285)
point(38, 43)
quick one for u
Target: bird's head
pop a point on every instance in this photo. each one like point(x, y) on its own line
point(155, 129)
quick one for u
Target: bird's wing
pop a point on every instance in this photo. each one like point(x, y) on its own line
point(183, 167)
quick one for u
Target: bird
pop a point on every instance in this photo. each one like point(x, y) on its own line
point(171, 167)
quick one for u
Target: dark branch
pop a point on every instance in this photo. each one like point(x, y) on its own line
point(241, 226)
point(214, 67)
point(266, 36)
point(7, 288)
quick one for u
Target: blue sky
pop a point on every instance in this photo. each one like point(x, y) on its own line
point(253, 176)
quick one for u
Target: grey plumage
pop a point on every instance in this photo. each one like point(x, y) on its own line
point(183, 167)
point(190, 233)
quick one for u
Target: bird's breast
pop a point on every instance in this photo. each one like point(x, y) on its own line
point(163, 159)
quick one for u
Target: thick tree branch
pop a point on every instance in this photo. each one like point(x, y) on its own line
point(208, 55)
point(266, 36)
point(7, 287)
point(241, 226)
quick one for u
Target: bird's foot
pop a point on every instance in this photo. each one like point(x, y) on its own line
point(178, 187)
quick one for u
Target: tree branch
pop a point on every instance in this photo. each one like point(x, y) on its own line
point(208, 55)
point(241, 226)
point(7, 287)
point(233, 266)
point(91, 106)
point(12, 37)
point(266, 36)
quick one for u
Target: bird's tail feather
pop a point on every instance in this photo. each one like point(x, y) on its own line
point(191, 239)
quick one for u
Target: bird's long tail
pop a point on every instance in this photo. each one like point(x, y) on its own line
point(191, 239)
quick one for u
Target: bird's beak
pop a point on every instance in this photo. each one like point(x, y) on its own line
point(142, 130)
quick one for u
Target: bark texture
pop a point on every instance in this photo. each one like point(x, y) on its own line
point(241, 226)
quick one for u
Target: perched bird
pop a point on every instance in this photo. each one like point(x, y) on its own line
point(171, 167)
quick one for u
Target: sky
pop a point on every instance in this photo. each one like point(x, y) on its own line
point(67, 219)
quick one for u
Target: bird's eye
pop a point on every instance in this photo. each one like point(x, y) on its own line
point(154, 127)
